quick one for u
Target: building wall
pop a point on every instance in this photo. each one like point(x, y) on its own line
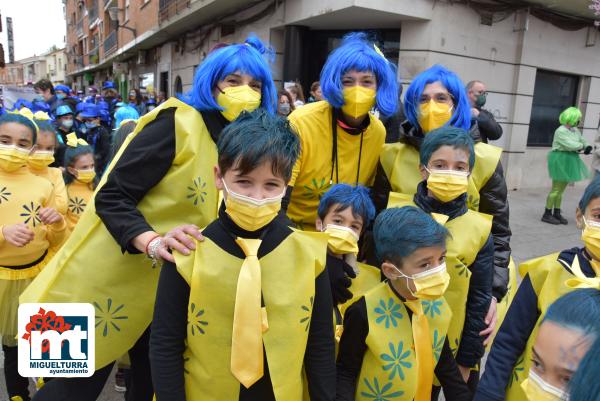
point(55, 66)
point(142, 16)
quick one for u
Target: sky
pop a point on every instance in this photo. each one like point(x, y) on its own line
point(37, 26)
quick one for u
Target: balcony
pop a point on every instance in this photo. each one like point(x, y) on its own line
point(79, 28)
point(110, 44)
point(78, 61)
point(170, 8)
point(94, 56)
point(93, 12)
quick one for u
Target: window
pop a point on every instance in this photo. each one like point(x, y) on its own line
point(553, 93)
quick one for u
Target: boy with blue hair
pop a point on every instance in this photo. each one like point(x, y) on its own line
point(394, 337)
point(447, 157)
point(345, 212)
point(226, 324)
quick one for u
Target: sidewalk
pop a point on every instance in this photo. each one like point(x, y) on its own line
point(531, 238)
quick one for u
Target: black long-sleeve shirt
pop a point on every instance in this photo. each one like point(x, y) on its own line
point(489, 129)
point(353, 347)
point(167, 341)
point(143, 164)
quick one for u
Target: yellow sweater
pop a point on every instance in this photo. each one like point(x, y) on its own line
point(79, 197)
point(22, 195)
point(54, 175)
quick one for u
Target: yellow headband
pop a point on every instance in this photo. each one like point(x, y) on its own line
point(580, 280)
point(25, 112)
point(41, 116)
point(378, 51)
point(73, 141)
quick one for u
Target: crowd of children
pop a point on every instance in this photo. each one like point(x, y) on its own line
point(257, 257)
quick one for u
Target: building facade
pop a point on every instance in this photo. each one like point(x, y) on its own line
point(534, 61)
point(56, 66)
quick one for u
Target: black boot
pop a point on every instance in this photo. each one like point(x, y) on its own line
point(548, 218)
point(558, 217)
point(16, 385)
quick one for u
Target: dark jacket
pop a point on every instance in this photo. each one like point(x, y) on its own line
point(479, 296)
point(486, 125)
point(519, 323)
point(99, 139)
point(493, 201)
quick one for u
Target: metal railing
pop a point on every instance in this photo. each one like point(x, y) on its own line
point(78, 61)
point(110, 43)
point(170, 8)
point(93, 12)
point(79, 28)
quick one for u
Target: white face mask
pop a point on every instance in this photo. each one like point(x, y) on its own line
point(537, 389)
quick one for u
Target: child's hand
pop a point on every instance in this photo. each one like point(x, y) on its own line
point(18, 235)
point(490, 320)
point(49, 216)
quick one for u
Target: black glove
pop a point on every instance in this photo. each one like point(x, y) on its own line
point(340, 274)
point(588, 150)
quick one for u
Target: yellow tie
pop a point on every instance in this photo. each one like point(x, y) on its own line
point(246, 340)
point(423, 351)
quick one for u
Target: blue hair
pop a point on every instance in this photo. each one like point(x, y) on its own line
point(458, 138)
point(346, 196)
point(47, 126)
point(245, 57)
point(125, 113)
point(577, 310)
point(398, 232)
point(19, 119)
point(584, 385)
point(592, 191)
point(462, 110)
point(357, 53)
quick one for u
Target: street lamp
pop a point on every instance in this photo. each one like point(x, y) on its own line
point(113, 14)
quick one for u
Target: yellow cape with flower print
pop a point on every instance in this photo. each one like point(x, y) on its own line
point(90, 267)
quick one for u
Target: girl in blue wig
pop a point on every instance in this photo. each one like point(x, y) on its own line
point(160, 180)
point(545, 279)
point(340, 139)
point(437, 98)
point(568, 330)
point(584, 385)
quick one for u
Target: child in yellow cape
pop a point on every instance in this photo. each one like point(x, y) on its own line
point(160, 179)
point(394, 338)
point(239, 317)
point(30, 227)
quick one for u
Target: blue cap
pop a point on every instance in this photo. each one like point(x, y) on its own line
point(79, 107)
point(151, 101)
point(104, 115)
point(108, 85)
point(102, 105)
point(22, 103)
point(63, 110)
point(63, 88)
point(90, 110)
point(40, 105)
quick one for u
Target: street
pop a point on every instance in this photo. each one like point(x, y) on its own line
point(531, 238)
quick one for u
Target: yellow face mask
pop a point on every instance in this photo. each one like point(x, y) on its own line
point(86, 176)
point(342, 240)
point(358, 100)
point(591, 237)
point(251, 214)
point(13, 157)
point(447, 185)
point(537, 389)
point(236, 99)
point(41, 159)
point(430, 284)
point(434, 115)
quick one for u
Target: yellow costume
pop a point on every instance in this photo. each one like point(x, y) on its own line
point(79, 196)
point(389, 366)
point(54, 175)
point(22, 195)
point(548, 277)
point(312, 174)
point(90, 267)
point(213, 275)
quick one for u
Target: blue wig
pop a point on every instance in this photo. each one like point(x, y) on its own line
point(592, 191)
point(458, 138)
point(346, 196)
point(19, 119)
point(462, 110)
point(584, 385)
point(357, 53)
point(125, 113)
point(398, 232)
point(244, 57)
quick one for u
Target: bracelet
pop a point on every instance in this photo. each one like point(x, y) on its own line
point(149, 242)
point(153, 248)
